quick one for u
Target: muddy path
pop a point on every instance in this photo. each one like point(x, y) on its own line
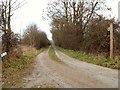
point(74, 74)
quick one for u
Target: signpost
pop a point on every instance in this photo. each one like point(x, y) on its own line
point(3, 55)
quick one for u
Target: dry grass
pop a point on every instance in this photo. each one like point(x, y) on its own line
point(27, 48)
point(14, 71)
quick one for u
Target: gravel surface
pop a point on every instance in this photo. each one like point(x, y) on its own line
point(73, 74)
point(106, 77)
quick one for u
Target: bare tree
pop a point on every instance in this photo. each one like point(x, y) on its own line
point(78, 12)
point(7, 10)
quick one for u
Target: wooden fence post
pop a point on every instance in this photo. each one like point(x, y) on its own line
point(111, 41)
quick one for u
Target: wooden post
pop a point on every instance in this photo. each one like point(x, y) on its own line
point(111, 40)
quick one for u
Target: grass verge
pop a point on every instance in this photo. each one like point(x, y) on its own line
point(13, 72)
point(94, 59)
point(53, 56)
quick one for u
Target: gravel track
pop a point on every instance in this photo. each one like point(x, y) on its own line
point(73, 74)
point(106, 77)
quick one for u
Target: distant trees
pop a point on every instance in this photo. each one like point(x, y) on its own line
point(77, 25)
point(34, 37)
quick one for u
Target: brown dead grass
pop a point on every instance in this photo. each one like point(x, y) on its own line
point(15, 70)
point(27, 48)
point(15, 53)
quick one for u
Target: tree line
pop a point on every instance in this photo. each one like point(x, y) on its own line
point(34, 37)
point(78, 25)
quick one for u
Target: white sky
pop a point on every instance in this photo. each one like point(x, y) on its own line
point(32, 13)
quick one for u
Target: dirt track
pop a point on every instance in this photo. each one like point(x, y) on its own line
point(73, 74)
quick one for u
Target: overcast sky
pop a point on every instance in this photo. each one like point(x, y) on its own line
point(32, 13)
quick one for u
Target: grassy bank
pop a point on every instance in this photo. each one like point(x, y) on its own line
point(14, 71)
point(90, 58)
point(53, 56)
